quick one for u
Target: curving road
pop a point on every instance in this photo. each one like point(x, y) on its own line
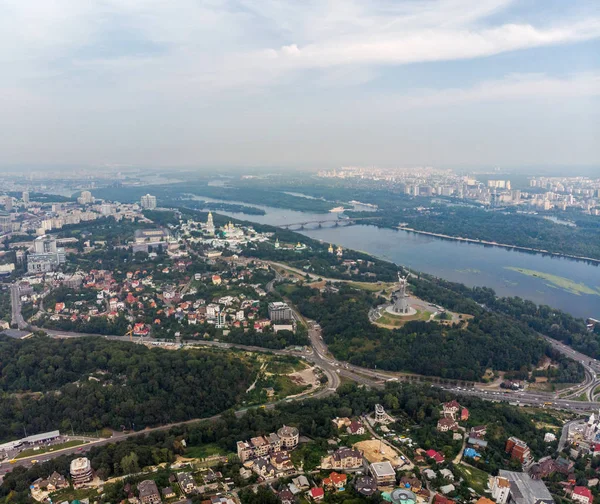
point(334, 370)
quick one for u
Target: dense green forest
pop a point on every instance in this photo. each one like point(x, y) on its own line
point(318, 261)
point(5, 305)
point(462, 351)
point(91, 383)
point(173, 195)
point(541, 318)
point(417, 409)
point(268, 339)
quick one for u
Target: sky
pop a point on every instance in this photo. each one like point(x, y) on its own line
point(300, 83)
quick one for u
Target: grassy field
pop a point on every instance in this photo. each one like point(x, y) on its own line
point(31, 452)
point(388, 319)
point(475, 478)
point(201, 452)
point(372, 286)
point(558, 281)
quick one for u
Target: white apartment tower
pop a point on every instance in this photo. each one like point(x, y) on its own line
point(148, 202)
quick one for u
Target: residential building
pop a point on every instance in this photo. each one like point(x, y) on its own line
point(85, 198)
point(380, 414)
point(582, 494)
point(356, 428)
point(335, 480)
point(316, 494)
point(447, 423)
point(56, 482)
point(383, 472)
point(518, 450)
point(148, 202)
point(46, 255)
point(168, 493)
point(289, 437)
point(344, 458)
point(148, 492)
point(451, 408)
point(260, 446)
point(365, 485)
point(186, 482)
point(81, 471)
point(279, 311)
point(524, 490)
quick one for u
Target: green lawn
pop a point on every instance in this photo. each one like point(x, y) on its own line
point(475, 478)
point(396, 321)
point(31, 452)
point(201, 452)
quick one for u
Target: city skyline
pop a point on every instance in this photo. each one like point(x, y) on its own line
point(306, 85)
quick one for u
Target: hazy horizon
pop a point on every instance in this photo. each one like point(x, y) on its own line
point(300, 85)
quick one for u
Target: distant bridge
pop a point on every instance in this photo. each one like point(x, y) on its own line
point(336, 222)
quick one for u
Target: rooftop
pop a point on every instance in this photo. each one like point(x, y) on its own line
point(383, 469)
point(525, 490)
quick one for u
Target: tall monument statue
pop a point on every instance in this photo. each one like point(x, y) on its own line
point(400, 296)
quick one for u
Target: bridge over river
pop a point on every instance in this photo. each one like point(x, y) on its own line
point(337, 222)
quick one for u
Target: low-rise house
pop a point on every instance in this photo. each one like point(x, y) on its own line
point(286, 496)
point(148, 492)
point(446, 489)
point(582, 495)
point(451, 408)
point(57, 482)
point(478, 431)
point(301, 482)
point(316, 494)
point(437, 456)
point(356, 428)
point(564, 466)
point(264, 468)
point(447, 474)
point(282, 462)
point(447, 423)
point(335, 480)
point(429, 474)
point(413, 484)
point(186, 482)
point(478, 442)
point(168, 493)
point(365, 485)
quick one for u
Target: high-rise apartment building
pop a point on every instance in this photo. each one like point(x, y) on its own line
point(148, 202)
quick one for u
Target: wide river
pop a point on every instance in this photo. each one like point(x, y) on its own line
point(569, 286)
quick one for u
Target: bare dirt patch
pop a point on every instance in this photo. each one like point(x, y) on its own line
point(376, 451)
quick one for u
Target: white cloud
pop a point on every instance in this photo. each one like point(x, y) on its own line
point(530, 87)
point(217, 44)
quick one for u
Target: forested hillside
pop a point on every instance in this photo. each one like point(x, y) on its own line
point(462, 351)
point(541, 318)
point(91, 383)
point(417, 409)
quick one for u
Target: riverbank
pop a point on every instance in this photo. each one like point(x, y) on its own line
point(496, 244)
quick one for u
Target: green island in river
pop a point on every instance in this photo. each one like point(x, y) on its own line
point(558, 281)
